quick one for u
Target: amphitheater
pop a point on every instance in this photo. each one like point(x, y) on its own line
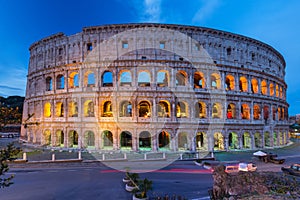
point(155, 87)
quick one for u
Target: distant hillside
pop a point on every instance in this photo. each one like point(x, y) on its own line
point(11, 109)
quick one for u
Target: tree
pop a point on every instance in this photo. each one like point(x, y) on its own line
point(7, 154)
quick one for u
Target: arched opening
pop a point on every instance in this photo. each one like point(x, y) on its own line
point(280, 92)
point(164, 140)
point(200, 110)
point(181, 110)
point(145, 141)
point(73, 109)
point(215, 81)
point(267, 139)
point(89, 139)
point(182, 141)
point(245, 111)
point(107, 79)
point(274, 112)
point(281, 138)
point(107, 109)
point(125, 78)
point(126, 140)
point(163, 109)
point(201, 141)
point(125, 109)
point(107, 139)
point(47, 137)
point(266, 113)
point(59, 109)
point(144, 79)
point(271, 89)
point(73, 80)
point(218, 141)
point(88, 108)
point(277, 91)
point(263, 87)
point(49, 86)
point(73, 139)
point(246, 141)
point(217, 111)
point(229, 82)
point(60, 138)
point(144, 109)
point(254, 86)
point(231, 111)
point(258, 140)
point(199, 81)
point(256, 112)
point(233, 142)
point(60, 82)
point(89, 79)
point(47, 110)
point(243, 84)
point(162, 79)
point(275, 137)
point(181, 78)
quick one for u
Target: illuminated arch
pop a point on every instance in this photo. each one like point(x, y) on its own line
point(163, 109)
point(218, 141)
point(59, 109)
point(254, 86)
point(217, 110)
point(256, 112)
point(89, 79)
point(182, 109)
point(199, 80)
point(73, 109)
point(231, 111)
point(88, 108)
point(215, 81)
point(229, 82)
point(107, 109)
point(264, 88)
point(144, 108)
point(47, 109)
point(73, 139)
point(181, 78)
point(47, 137)
point(245, 111)
point(243, 84)
point(164, 140)
point(200, 110)
point(74, 80)
point(271, 89)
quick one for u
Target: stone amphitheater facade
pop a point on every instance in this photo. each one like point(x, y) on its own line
point(155, 87)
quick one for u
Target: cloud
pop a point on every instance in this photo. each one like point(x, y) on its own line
point(148, 11)
point(206, 9)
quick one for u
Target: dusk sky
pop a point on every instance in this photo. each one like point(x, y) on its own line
point(22, 22)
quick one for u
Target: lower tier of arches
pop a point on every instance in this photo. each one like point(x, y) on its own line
point(151, 139)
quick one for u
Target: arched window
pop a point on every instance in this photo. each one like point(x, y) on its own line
point(73, 80)
point(266, 113)
point(217, 110)
point(181, 110)
point(144, 79)
point(59, 109)
point(181, 78)
point(47, 137)
point(107, 79)
point(256, 112)
point(60, 82)
point(73, 109)
point(144, 109)
point(88, 109)
point(89, 79)
point(243, 84)
point(47, 110)
point(125, 78)
point(73, 139)
point(89, 139)
point(215, 81)
point(277, 90)
point(107, 138)
point(271, 89)
point(164, 140)
point(200, 110)
point(125, 109)
point(199, 81)
point(60, 138)
point(231, 109)
point(263, 87)
point(182, 141)
point(107, 109)
point(49, 86)
point(126, 140)
point(163, 109)
point(162, 79)
point(229, 82)
point(145, 140)
point(245, 111)
point(254, 86)
point(280, 93)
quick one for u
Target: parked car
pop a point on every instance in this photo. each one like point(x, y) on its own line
point(247, 167)
point(9, 135)
point(294, 169)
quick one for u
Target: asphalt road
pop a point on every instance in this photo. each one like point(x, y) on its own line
point(180, 178)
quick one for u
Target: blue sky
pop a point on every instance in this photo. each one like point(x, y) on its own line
point(22, 22)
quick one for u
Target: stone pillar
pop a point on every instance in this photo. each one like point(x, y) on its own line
point(154, 143)
point(252, 140)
